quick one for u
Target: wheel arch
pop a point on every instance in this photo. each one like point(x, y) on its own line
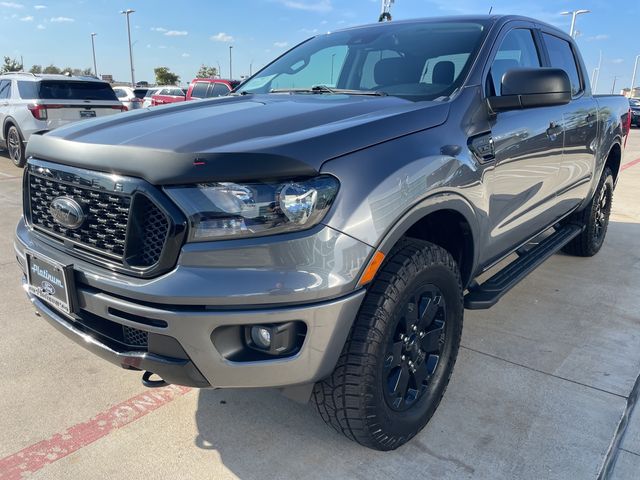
point(457, 230)
point(8, 122)
point(614, 159)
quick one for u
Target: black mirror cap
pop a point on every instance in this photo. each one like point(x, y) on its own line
point(532, 87)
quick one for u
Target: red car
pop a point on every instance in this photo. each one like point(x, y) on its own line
point(199, 88)
point(167, 95)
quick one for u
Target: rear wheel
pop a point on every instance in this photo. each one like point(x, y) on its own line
point(397, 361)
point(594, 218)
point(15, 146)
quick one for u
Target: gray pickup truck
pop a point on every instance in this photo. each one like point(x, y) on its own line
point(321, 230)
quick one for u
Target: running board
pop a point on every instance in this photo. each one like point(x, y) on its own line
point(487, 295)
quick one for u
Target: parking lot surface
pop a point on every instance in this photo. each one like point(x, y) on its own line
point(543, 389)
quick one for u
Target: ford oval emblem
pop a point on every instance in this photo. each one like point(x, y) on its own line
point(66, 212)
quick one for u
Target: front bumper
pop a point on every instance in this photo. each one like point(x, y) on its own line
point(173, 306)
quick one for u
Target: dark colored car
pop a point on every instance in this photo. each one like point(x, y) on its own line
point(322, 229)
point(635, 111)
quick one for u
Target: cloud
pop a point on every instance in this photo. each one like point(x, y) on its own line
point(40, 27)
point(176, 33)
point(185, 55)
point(221, 37)
point(158, 29)
point(321, 6)
point(39, 7)
point(11, 5)
point(61, 20)
point(617, 60)
point(28, 18)
point(281, 44)
point(599, 37)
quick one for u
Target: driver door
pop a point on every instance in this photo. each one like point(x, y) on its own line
point(528, 145)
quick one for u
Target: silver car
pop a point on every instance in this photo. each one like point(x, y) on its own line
point(38, 103)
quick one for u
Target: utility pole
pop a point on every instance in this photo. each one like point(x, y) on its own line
point(93, 48)
point(595, 81)
point(219, 70)
point(633, 77)
point(230, 62)
point(574, 14)
point(128, 12)
point(385, 11)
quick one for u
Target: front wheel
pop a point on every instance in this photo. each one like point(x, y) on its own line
point(397, 361)
point(594, 218)
point(15, 146)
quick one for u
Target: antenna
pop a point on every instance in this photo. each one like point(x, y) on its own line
point(490, 9)
point(385, 12)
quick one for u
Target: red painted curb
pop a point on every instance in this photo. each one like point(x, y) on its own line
point(630, 164)
point(35, 457)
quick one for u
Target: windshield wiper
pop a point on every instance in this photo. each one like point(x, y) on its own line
point(326, 89)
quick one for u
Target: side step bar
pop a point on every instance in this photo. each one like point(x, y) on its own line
point(487, 295)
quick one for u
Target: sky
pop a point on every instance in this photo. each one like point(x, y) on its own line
point(183, 35)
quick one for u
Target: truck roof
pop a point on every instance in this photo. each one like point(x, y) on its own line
point(36, 77)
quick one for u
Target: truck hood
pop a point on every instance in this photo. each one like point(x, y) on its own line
point(235, 138)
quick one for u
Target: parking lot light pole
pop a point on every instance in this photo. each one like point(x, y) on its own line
point(128, 12)
point(93, 48)
point(230, 63)
point(633, 77)
point(574, 14)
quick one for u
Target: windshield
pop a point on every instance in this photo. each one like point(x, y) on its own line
point(417, 61)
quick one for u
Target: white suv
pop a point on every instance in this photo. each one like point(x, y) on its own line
point(38, 103)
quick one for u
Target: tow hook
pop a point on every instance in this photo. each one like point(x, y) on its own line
point(147, 382)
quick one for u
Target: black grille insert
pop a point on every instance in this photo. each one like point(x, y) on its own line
point(135, 337)
point(104, 229)
point(125, 226)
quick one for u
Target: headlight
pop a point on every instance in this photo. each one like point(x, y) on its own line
point(217, 211)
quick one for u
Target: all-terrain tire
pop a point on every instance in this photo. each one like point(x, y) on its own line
point(418, 285)
point(594, 218)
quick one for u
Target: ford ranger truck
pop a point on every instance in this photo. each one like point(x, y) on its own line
point(322, 229)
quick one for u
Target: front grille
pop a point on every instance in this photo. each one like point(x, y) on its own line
point(135, 337)
point(105, 227)
point(124, 223)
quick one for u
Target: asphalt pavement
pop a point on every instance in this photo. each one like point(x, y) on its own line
point(542, 389)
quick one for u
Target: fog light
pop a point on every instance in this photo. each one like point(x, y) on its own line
point(261, 337)
point(276, 338)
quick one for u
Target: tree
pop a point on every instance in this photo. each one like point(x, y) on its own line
point(36, 69)
point(207, 72)
point(87, 71)
point(51, 69)
point(164, 76)
point(11, 65)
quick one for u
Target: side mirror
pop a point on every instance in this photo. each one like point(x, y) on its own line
point(532, 87)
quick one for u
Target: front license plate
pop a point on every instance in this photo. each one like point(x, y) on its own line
point(87, 113)
point(48, 280)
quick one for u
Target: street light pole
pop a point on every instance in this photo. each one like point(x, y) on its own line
point(230, 63)
point(128, 12)
point(633, 77)
point(93, 48)
point(574, 14)
point(613, 87)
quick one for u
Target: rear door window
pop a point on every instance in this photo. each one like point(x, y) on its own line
point(218, 90)
point(73, 90)
point(5, 89)
point(27, 90)
point(561, 56)
point(200, 90)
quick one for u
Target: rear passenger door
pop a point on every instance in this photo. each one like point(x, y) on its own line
point(5, 94)
point(579, 123)
point(527, 151)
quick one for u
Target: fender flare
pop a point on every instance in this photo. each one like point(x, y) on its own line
point(432, 204)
